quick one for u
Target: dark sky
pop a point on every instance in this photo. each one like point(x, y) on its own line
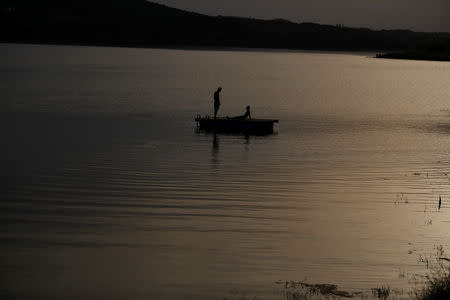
point(417, 15)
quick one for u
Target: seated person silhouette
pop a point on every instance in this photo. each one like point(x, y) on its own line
point(244, 116)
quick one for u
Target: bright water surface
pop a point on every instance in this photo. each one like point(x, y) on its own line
point(112, 194)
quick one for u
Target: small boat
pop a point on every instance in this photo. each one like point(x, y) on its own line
point(248, 126)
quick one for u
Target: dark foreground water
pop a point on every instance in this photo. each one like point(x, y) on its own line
point(112, 194)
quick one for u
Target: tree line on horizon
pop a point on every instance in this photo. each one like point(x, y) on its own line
point(141, 23)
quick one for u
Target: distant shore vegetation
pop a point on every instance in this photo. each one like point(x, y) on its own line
point(141, 23)
point(435, 54)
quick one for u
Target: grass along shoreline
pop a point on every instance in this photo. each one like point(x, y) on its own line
point(435, 286)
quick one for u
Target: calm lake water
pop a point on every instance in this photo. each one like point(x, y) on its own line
point(112, 194)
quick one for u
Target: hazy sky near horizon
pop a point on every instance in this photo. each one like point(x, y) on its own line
point(417, 15)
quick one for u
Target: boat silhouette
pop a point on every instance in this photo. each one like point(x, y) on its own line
point(232, 125)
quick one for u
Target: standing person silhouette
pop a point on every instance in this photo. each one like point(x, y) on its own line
point(217, 101)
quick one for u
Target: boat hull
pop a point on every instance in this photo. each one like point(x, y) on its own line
point(253, 126)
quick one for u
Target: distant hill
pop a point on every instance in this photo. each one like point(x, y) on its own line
point(140, 23)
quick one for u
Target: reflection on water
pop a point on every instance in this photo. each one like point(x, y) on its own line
point(121, 204)
point(215, 149)
point(333, 201)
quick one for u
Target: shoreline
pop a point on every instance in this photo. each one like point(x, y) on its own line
point(402, 55)
point(440, 56)
point(371, 53)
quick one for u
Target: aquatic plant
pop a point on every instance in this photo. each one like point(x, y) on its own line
point(381, 292)
point(438, 286)
point(299, 290)
point(438, 280)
